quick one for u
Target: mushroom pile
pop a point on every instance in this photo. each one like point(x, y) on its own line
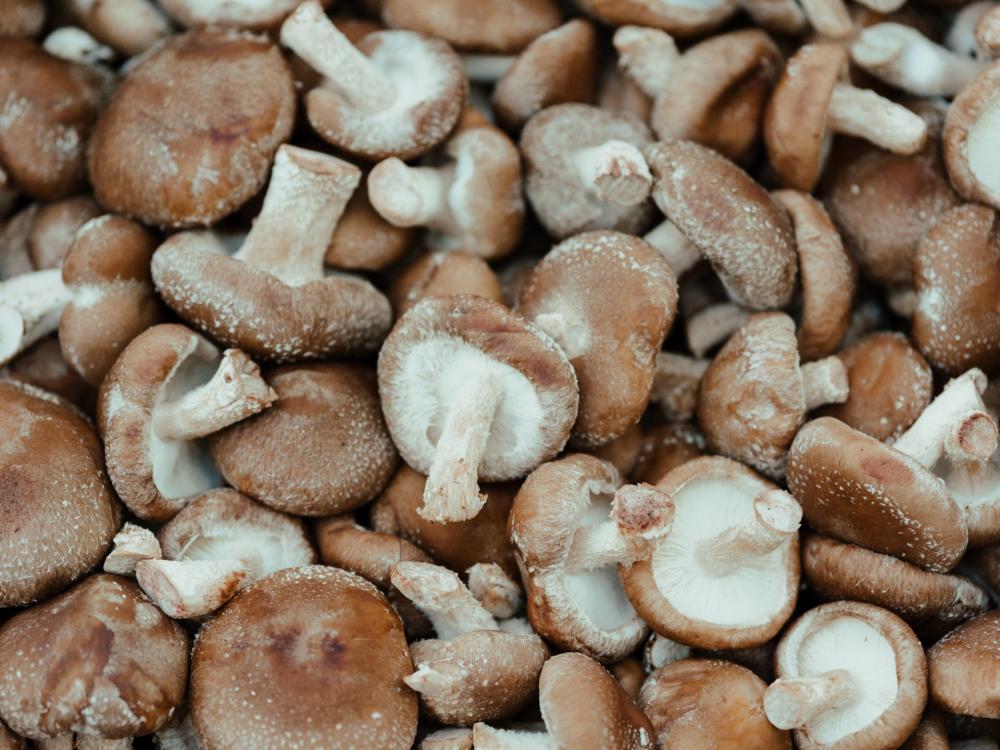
point(500, 374)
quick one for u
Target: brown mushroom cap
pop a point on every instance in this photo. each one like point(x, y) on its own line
point(321, 449)
point(969, 138)
point(665, 447)
point(99, 659)
point(22, 18)
point(608, 299)
point(129, 26)
point(858, 490)
point(43, 366)
point(363, 240)
point(986, 562)
point(957, 277)
point(678, 17)
point(441, 274)
point(240, 14)
point(623, 451)
point(308, 656)
point(11, 741)
point(743, 232)
point(159, 154)
point(964, 668)
point(58, 511)
point(54, 226)
point(704, 703)
point(930, 734)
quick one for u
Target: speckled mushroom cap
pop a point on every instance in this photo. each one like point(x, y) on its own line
point(22, 18)
point(857, 647)
point(964, 668)
point(608, 299)
point(956, 272)
point(678, 17)
point(306, 657)
point(107, 273)
point(327, 417)
point(363, 240)
point(58, 511)
point(440, 274)
point(858, 490)
point(160, 155)
point(703, 704)
point(727, 575)
point(99, 659)
point(738, 227)
point(50, 107)
point(969, 138)
point(553, 143)
point(243, 14)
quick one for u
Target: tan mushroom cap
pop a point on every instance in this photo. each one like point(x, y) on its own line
point(159, 154)
point(99, 659)
point(43, 366)
point(243, 14)
point(964, 668)
point(740, 229)
point(679, 17)
point(608, 299)
point(321, 449)
point(852, 676)
point(129, 26)
point(665, 447)
point(623, 451)
point(956, 269)
point(51, 106)
point(986, 562)
point(54, 226)
point(930, 734)
point(630, 675)
point(363, 240)
point(858, 490)
point(310, 656)
point(59, 513)
point(441, 274)
point(969, 138)
point(22, 18)
point(890, 384)
point(703, 704)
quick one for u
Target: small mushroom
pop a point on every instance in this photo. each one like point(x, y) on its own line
point(608, 299)
point(129, 26)
point(679, 17)
point(850, 675)
point(964, 668)
point(130, 545)
point(584, 170)
point(727, 575)
point(470, 392)
point(363, 240)
point(22, 18)
point(169, 388)
point(810, 104)
point(98, 659)
point(272, 298)
point(441, 274)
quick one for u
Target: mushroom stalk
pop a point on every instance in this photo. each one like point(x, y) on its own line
point(486, 68)
point(486, 737)
point(411, 196)
point(442, 597)
point(452, 489)
point(794, 702)
point(647, 56)
point(865, 114)
point(829, 17)
point(776, 519)
point(76, 45)
point(680, 253)
point(824, 382)
point(616, 171)
point(235, 392)
point(499, 594)
point(712, 325)
point(882, 6)
point(304, 201)
point(30, 307)
point(345, 69)
point(190, 588)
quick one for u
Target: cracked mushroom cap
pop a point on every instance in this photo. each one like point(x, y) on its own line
point(956, 271)
point(22, 18)
point(99, 659)
point(169, 388)
point(441, 274)
point(852, 676)
point(608, 299)
point(310, 656)
point(703, 704)
point(363, 240)
point(57, 508)
point(742, 231)
point(727, 575)
point(678, 17)
point(964, 668)
point(970, 141)
point(858, 490)
point(160, 155)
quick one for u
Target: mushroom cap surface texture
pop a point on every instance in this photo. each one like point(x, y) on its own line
point(964, 668)
point(970, 140)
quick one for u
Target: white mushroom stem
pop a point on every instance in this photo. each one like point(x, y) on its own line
point(829, 17)
point(647, 55)
point(661, 651)
point(676, 383)
point(345, 69)
point(640, 514)
point(442, 597)
point(499, 594)
point(190, 588)
point(824, 382)
point(130, 545)
point(902, 301)
point(775, 520)
point(680, 253)
point(408, 196)
point(712, 325)
point(865, 114)
point(485, 737)
point(76, 45)
point(486, 68)
point(235, 392)
point(791, 703)
point(882, 6)
point(30, 307)
point(452, 489)
point(779, 16)
point(305, 199)
point(615, 171)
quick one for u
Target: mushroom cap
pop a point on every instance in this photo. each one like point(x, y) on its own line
point(159, 154)
point(890, 385)
point(608, 299)
point(930, 734)
point(855, 489)
point(306, 657)
point(363, 240)
point(703, 704)
point(54, 226)
point(441, 274)
point(665, 447)
point(58, 511)
point(737, 225)
point(684, 602)
point(885, 661)
point(327, 417)
point(957, 277)
point(752, 400)
point(500, 26)
point(43, 366)
point(22, 18)
point(678, 17)
point(964, 668)
point(969, 138)
point(99, 659)
point(243, 14)
point(623, 451)
point(437, 344)
point(11, 741)
point(564, 205)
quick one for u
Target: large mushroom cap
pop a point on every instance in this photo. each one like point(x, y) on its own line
point(970, 140)
point(57, 511)
point(306, 657)
point(99, 659)
point(964, 668)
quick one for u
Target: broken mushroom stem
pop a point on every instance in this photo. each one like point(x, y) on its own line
point(440, 594)
point(185, 589)
point(499, 594)
point(865, 114)
point(647, 55)
point(615, 171)
point(824, 382)
point(669, 241)
point(794, 702)
point(712, 325)
point(30, 307)
point(408, 196)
